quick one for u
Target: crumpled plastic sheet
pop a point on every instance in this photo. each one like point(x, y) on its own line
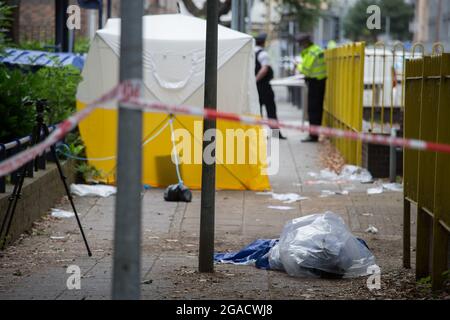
point(99, 190)
point(320, 245)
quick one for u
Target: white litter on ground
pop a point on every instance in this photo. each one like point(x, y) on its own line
point(327, 193)
point(266, 193)
point(367, 214)
point(355, 173)
point(286, 198)
point(397, 187)
point(57, 238)
point(99, 190)
point(376, 190)
point(372, 229)
point(284, 208)
point(348, 173)
point(62, 214)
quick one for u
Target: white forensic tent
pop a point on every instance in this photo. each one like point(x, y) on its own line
point(174, 58)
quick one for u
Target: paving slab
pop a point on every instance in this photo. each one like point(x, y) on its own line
point(35, 266)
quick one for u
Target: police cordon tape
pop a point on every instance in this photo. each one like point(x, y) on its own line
point(137, 103)
point(128, 94)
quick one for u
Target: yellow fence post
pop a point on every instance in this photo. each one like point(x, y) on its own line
point(441, 225)
point(413, 93)
point(344, 96)
point(427, 110)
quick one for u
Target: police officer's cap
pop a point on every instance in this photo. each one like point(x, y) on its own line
point(261, 37)
point(301, 37)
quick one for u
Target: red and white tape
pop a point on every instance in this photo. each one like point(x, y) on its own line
point(137, 103)
point(128, 93)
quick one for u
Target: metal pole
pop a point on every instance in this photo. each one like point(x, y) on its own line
point(393, 158)
point(127, 231)
point(242, 16)
point(109, 9)
point(100, 16)
point(235, 14)
point(61, 31)
point(249, 15)
point(388, 29)
point(206, 250)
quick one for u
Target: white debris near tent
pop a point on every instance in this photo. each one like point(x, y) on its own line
point(348, 173)
point(284, 197)
point(327, 193)
point(376, 190)
point(84, 190)
point(397, 187)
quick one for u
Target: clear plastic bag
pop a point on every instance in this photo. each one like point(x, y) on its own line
point(320, 245)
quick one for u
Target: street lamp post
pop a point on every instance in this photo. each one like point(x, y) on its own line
point(206, 249)
point(127, 231)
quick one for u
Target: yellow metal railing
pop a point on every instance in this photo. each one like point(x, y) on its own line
point(344, 96)
point(366, 90)
point(427, 174)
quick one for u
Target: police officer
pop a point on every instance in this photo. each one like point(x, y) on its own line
point(264, 73)
point(314, 69)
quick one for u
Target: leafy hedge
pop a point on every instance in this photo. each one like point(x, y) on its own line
point(5, 21)
point(57, 85)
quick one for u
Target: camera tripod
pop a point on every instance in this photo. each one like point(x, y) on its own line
point(17, 190)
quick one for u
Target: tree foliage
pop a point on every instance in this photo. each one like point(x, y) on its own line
point(5, 22)
point(57, 85)
point(400, 13)
point(306, 11)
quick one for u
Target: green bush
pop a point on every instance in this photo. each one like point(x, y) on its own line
point(81, 45)
point(56, 85)
point(5, 21)
point(16, 119)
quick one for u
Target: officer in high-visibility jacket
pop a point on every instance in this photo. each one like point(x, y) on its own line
point(314, 68)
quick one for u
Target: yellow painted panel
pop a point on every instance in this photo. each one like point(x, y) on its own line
point(99, 133)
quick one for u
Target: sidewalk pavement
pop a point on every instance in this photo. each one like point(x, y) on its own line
point(35, 267)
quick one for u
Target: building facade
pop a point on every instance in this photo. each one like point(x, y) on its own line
point(432, 22)
point(34, 20)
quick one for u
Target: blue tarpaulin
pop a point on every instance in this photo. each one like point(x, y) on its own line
point(37, 59)
point(255, 253)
